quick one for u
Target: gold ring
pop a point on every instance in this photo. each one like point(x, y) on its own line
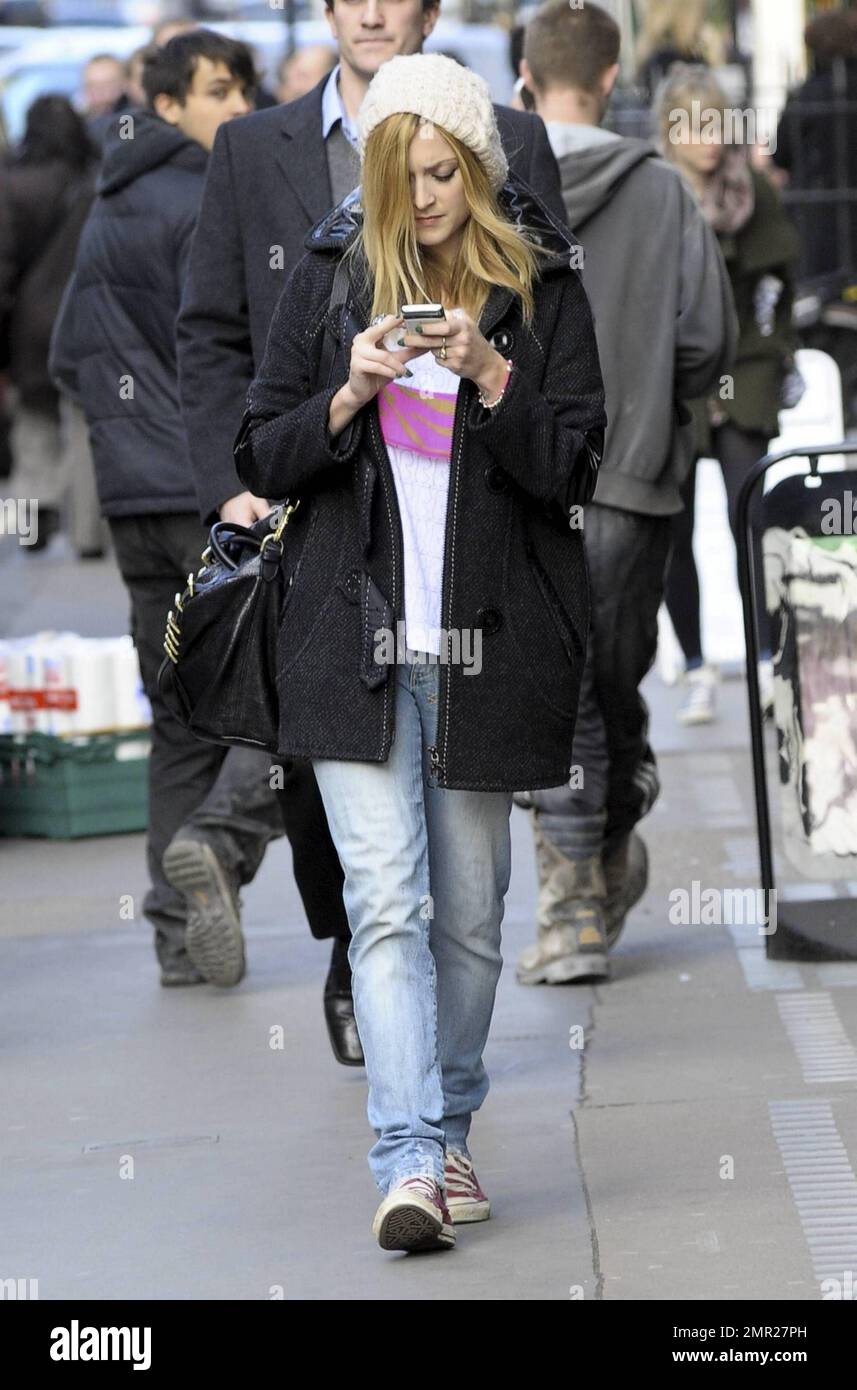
point(443, 351)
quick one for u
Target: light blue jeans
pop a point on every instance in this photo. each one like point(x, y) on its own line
point(426, 873)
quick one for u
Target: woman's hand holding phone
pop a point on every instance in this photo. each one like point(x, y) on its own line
point(468, 353)
point(372, 365)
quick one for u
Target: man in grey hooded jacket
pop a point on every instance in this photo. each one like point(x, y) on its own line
point(666, 330)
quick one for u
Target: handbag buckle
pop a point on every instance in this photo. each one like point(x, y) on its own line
point(283, 522)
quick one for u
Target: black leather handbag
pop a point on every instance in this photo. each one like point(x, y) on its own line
point(219, 676)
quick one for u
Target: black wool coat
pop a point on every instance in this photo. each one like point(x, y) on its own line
point(43, 207)
point(514, 564)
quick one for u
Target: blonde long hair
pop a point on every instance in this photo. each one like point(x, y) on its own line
point(681, 23)
point(493, 251)
point(686, 83)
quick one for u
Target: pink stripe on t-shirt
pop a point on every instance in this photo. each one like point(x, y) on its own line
point(411, 421)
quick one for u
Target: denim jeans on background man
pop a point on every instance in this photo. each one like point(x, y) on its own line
point(626, 556)
point(426, 873)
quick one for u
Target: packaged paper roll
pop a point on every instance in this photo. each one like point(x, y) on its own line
point(5, 712)
point(61, 695)
point(90, 673)
point(63, 684)
point(133, 710)
point(26, 685)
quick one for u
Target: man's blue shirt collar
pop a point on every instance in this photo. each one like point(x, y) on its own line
point(332, 109)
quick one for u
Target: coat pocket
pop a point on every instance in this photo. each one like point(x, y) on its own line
point(376, 614)
point(297, 547)
point(548, 634)
point(312, 563)
point(562, 621)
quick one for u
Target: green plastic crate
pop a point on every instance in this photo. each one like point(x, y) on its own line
point(63, 788)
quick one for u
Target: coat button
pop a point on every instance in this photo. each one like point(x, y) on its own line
point(350, 585)
point(489, 619)
point(502, 340)
point(496, 479)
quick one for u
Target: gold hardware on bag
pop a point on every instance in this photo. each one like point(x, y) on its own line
point(171, 637)
point(178, 603)
point(190, 584)
point(282, 523)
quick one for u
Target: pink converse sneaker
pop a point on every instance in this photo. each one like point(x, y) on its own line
point(466, 1200)
point(414, 1216)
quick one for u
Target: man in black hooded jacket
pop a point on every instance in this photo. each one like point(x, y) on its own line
point(212, 812)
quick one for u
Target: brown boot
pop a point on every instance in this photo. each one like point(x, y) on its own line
point(626, 874)
point(572, 933)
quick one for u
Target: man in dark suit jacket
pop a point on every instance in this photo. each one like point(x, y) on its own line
point(271, 177)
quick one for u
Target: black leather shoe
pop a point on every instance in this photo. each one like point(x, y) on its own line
point(339, 1009)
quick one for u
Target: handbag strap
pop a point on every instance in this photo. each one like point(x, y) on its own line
point(338, 300)
point(226, 533)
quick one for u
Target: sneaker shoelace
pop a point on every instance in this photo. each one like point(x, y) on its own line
point(423, 1185)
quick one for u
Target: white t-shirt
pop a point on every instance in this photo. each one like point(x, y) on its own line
point(422, 485)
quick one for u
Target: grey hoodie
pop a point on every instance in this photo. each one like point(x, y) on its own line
point(664, 316)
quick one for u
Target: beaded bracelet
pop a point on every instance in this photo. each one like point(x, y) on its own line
point(494, 404)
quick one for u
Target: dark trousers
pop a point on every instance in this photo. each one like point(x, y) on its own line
point(736, 451)
point(222, 795)
point(626, 555)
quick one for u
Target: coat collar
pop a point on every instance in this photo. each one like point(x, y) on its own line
point(302, 155)
point(335, 231)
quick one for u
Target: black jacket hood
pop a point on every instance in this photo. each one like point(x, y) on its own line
point(155, 142)
point(336, 230)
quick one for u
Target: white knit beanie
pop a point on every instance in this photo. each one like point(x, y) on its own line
point(441, 90)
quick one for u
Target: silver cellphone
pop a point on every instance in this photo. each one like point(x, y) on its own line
point(421, 313)
point(413, 314)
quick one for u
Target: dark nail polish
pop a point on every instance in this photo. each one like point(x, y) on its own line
point(418, 328)
point(401, 342)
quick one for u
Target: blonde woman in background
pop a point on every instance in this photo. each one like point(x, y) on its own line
point(674, 31)
point(760, 247)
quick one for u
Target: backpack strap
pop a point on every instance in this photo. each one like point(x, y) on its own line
point(338, 300)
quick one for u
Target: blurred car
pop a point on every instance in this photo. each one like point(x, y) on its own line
point(22, 12)
point(53, 61)
point(105, 13)
point(14, 36)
